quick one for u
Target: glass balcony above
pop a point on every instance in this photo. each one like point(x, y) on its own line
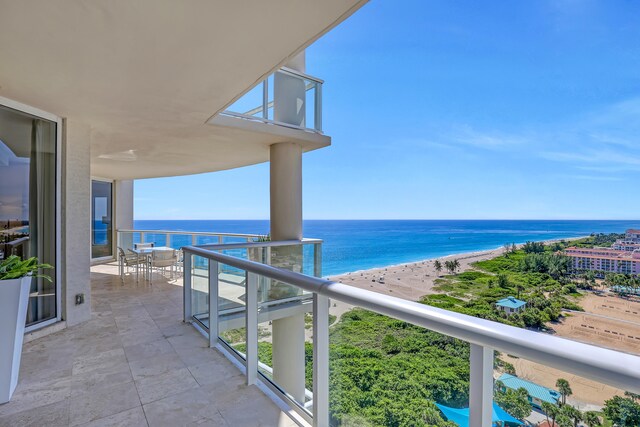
point(286, 98)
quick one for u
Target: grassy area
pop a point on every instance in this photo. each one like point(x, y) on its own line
point(308, 320)
point(234, 336)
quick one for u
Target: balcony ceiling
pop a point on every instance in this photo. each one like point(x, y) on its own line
point(146, 76)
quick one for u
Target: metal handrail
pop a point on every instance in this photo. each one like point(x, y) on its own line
point(196, 233)
point(611, 367)
point(268, 244)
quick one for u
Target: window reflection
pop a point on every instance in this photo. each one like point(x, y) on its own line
point(28, 200)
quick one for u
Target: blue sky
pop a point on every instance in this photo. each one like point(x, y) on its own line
point(457, 109)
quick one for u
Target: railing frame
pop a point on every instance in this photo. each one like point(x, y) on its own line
point(621, 370)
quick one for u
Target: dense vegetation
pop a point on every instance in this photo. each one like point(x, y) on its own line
point(385, 372)
point(536, 273)
point(599, 239)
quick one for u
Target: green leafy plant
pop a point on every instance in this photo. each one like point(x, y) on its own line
point(15, 268)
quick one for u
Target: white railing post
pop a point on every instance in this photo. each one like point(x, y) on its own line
point(194, 239)
point(220, 239)
point(481, 386)
point(186, 286)
point(213, 303)
point(318, 108)
point(251, 327)
point(317, 259)
point(265, 98)
point(320, 361)
point(167, 240)
point(142, 236)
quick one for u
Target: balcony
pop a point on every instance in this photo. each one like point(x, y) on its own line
point(134, 363)
point(203, 348)
point(286, 98)
point(465, 351)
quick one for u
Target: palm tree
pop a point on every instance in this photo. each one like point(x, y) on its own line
point(551, 411)
point(572, 413)
point(592, 419)
point(519, 288)
point(438, 266)
point(564, 388)
point(456, 264)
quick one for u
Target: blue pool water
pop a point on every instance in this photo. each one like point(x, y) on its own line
point(351, 245)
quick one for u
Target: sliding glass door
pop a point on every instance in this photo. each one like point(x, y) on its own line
point(28, 162)
point(101, 219)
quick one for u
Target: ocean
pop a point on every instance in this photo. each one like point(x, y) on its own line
point(351, 245)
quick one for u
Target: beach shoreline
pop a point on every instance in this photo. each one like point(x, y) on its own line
point(413, 280)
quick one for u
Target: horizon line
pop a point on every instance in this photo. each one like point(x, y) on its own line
point(395, 219)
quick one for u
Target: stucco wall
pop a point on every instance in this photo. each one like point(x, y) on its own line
point(76, 213)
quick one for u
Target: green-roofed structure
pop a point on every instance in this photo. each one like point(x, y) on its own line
point(537, 393)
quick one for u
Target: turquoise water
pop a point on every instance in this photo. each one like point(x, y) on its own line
point(351, 245)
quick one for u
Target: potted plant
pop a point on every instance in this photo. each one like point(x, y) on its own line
point(15, 282)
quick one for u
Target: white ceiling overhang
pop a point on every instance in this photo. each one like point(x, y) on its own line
point(147, 75)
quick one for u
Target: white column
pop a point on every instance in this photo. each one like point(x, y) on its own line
point(76, 224)
point(123, 211)
point(481, 386)
point(286, 191)
point(286, 224)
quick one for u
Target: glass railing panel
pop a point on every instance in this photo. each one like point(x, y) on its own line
point(200, 290)
point(534, 393)
point(384, 371)
point(127, 240)
point(285, 347)
point(232, 296)
point(180, 240)
point(158, 239)
point(310, 103)
point(207, 240)
point(235, 239)
point(250, 104)
point(270, 98)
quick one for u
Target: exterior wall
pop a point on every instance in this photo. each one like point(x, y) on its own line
point(76, 224)
point(123, 212)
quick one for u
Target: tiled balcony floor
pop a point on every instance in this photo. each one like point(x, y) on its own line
point(135, 363)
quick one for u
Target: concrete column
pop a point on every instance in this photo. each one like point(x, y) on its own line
point(76, 224)
point(286, 191)
point(123, 211)
point(286, 224)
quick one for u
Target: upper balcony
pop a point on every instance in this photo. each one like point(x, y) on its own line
point(286, 98)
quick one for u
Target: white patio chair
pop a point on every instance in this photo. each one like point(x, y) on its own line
point(164, 259)
point(127, 261)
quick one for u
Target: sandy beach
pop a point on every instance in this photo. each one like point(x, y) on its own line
point(415, 279)
point(412, 280)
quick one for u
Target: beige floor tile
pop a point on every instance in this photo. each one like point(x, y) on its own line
point(52, 415)
point(136, 349)
point(166, 384)
point(148, 349)
point(156, 365)
point(105, 402)
point(130, 418)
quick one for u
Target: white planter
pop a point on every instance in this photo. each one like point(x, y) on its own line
point(14, 298)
